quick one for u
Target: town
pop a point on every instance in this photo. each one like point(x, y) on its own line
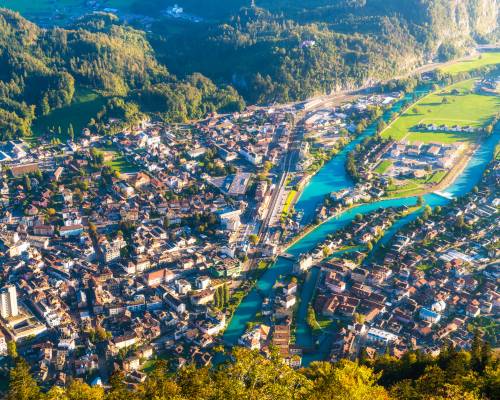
point(121, 250)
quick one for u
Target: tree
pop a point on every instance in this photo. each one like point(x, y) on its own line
point(344, 380)
point(427, 212)
point(326, 251)
point(226, 294)
point(12, 349)
point(217, 298)
point(460, 222)
point(71, 132)
point(44, 105)
point(420, 201)
point(27, 183)
point(267, 166)
point(415, 110)
point(78, 390)
point(22, 386)
point(358, 217)
point(254, 239)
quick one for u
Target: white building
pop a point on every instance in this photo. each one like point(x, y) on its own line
point(3, 345)
point(8, 302)
point(380, 336)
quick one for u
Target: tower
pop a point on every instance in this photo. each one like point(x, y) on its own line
point(8, 302)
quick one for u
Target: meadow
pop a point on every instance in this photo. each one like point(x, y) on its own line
point(483, 59)
point(86, 104)
point(63, 9)
point(457, 104)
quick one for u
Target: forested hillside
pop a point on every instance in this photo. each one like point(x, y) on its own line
point(286, 50)
point(276, 51)
point(40, 70)
point(452, 375)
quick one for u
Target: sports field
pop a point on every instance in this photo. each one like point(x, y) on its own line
point(487, 58)
point(457, 104)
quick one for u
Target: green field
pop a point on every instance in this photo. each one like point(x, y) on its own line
point(410, 187)
point(477, 62)
point(288, 202)
point(437, 177)
point(86, 104)
point(119, 162)
point(382, 166)
point(64, 7)
point(462, 109)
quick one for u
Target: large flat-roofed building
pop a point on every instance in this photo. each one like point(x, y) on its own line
point(8, 302)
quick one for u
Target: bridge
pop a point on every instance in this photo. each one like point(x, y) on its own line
point(446, 195)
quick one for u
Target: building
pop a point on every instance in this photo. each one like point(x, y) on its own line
point(380, 336)
point(303, 264)
point(8, 302)
point(429, 315)
point(3, 345)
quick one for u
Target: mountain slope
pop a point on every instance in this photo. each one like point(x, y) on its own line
point(287, 50)
point(41, 69)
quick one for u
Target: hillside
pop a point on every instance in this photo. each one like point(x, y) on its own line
point(287, 50)
point(41, 69)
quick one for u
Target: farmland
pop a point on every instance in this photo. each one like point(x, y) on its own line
point(454, 105)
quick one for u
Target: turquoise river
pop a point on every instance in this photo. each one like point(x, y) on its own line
point(332, 177)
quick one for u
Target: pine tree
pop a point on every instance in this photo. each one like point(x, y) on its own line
point(220, 296)
point(227, 294)
point(27, 183)
point(476, 351)
point(71, 132)
point(22, 386)
point(217, 298)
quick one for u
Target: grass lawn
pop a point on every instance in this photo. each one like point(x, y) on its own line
point(382, 166)
point(288, 202)
point(437, 177)
point(481, 60)
point(464, 108)
point(86, 104)
point(413, 186)
point(424, 267)
point(119, 162)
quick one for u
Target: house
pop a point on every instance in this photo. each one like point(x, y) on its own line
point(131, 363)
point(124, 341)
point(158, 277)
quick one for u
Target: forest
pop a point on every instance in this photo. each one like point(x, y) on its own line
point(240, 51)
point(283, 50)
point(42, 69)
point(452, 375)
